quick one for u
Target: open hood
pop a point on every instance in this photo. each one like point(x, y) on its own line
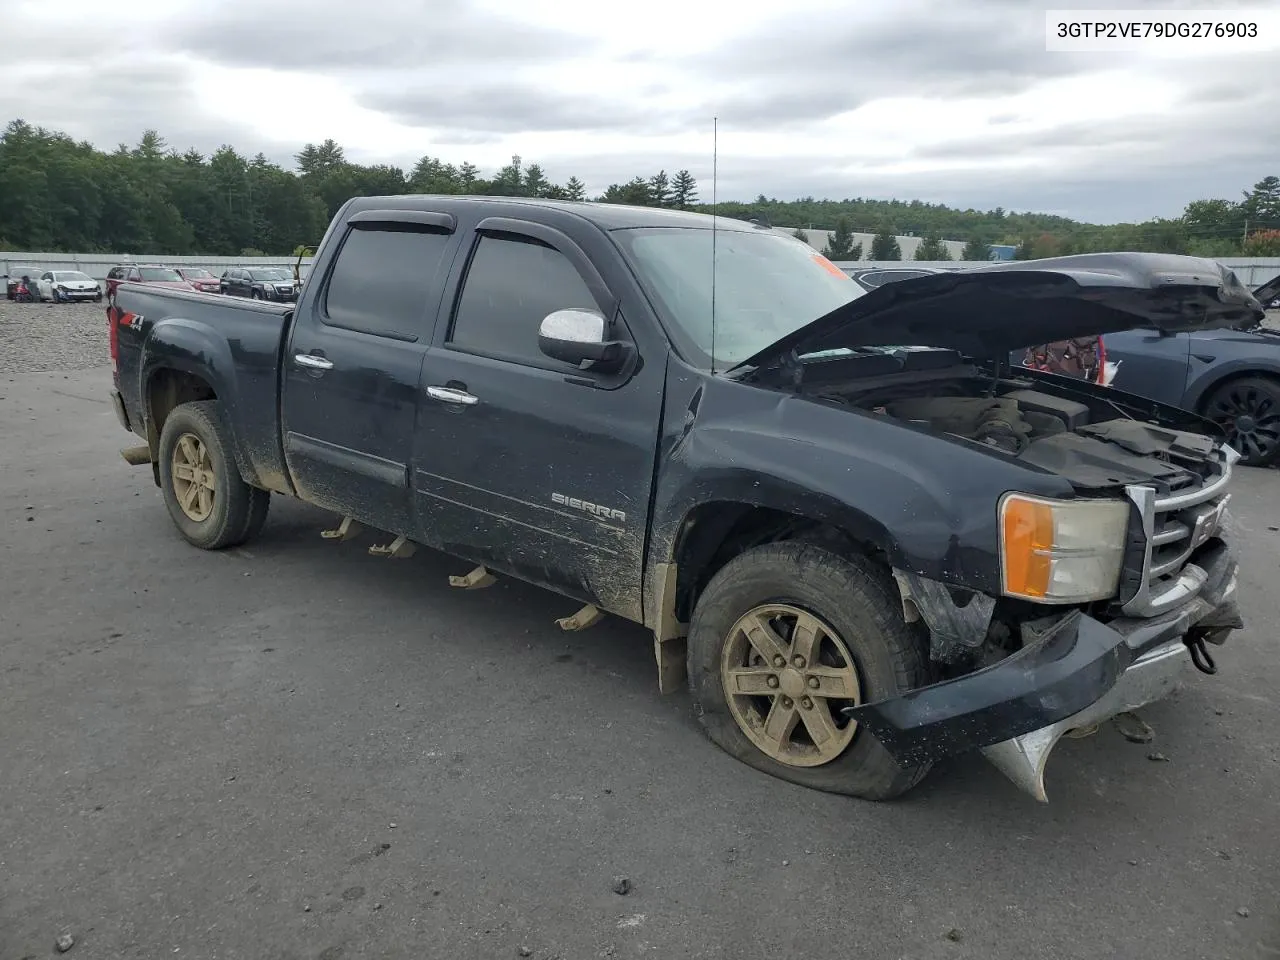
point(987, 312)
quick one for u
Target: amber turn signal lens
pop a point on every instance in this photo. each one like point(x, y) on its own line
point(1027, 532)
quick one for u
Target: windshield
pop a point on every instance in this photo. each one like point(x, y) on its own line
point(269, 273)
point(159, 275)
point(195, 273)
point(767, 286)
point(64, 276)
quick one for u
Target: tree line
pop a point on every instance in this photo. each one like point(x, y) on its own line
point(60, 194)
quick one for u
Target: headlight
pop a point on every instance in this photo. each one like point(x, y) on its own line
point(1061, 551)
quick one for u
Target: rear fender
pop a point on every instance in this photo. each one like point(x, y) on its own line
point(197, 350)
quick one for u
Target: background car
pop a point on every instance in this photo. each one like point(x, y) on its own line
point(200, 278)
point(145, 273)
point(874, 277)
point(260, 283)
point(69, 285)
point(19, 270)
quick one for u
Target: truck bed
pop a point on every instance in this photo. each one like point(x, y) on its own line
point(237, 342)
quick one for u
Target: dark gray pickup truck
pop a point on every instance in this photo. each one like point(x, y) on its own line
point(864, 539)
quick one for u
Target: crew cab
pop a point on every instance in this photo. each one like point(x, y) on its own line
point(863, 538)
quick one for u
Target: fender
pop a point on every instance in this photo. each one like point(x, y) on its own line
point(192, 347)
point(1204, 381)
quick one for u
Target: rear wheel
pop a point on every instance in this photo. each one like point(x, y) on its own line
point(786, 636)
point(207, 499)
point(1248, 409)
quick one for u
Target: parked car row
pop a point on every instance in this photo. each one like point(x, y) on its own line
point(258, 283)
point(1231, 377)
point(61, 286)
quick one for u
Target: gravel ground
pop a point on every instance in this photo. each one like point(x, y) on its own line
point(296, 751)
point(52, 336)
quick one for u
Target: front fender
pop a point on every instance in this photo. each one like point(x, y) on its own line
point(928, 502)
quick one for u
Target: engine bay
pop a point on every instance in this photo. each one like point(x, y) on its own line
point(1096, 444)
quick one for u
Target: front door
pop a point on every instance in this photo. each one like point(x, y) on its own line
point(526, 463)
point(352, 365)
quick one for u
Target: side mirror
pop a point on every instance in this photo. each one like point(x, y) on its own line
point(577, 335)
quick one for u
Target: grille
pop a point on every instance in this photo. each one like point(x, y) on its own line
point(1174, 526)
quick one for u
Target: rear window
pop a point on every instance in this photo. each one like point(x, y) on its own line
point(159, 275)
point(381, 279)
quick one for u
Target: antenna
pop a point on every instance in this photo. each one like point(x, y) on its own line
point(715, 154)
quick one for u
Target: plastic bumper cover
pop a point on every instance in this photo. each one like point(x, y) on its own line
point(1073, 671)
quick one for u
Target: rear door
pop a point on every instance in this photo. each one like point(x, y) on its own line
point(1151, 364)
point(352, 364)
point(523, 462)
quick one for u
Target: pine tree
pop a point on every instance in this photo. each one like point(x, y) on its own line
point(535, 181)
point(884, 246)
point(800, 235)
point(931, 248)
point(684, 190)
point(975, 249)
point(660, 189)
point(839, 244)
point(575, 189)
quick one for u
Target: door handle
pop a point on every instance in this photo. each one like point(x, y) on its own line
point(450, 395)
point(312, 362)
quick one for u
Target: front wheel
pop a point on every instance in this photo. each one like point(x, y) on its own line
point(786, 636)
point(257, 295)
point(207, 499)
point(1248, 409)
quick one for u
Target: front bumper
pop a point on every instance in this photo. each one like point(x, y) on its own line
point(1072, 672)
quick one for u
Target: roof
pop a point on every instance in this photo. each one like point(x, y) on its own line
point(607, 216)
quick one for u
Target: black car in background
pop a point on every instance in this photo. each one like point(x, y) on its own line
point(259, 283)
point(1230, 376)
point(869, 279)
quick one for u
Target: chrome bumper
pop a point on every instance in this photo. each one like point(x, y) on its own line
point(1152, 677)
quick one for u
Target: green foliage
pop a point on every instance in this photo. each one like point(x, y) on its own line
point(884, 245)
point(840, 245)
point(60, 194)
point(1264, 243)
point(976, 249)
point(800, 235)
point(932, 248)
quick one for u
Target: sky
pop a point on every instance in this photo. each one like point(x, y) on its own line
point(956, 103)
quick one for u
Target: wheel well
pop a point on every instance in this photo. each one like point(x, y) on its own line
point(1203, 400)
point(715, 533)
point(167, 390)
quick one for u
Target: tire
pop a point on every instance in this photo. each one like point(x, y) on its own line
point(256, 295)
point(236, 511)
point(97, 298)
point(857, 601)
point(1248, 409)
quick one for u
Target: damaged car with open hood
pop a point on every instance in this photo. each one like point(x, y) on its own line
point(861, 537)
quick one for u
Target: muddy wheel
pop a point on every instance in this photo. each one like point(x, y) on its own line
point(209, 502)
point(783, 638)
point(1248, 409)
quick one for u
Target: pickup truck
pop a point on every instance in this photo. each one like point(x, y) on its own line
point(862, 537)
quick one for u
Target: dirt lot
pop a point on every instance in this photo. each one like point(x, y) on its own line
point(295, 750)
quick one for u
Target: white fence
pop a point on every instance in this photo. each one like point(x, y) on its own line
point(1252, 271)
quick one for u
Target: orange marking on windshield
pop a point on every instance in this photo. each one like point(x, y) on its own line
point(828, 266)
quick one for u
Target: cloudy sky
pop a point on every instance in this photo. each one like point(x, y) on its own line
point(916, 99)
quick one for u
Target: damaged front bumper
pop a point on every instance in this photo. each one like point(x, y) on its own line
point(1073, 671)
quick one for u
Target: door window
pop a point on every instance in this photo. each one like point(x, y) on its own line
point(512, 284)
point(382, 278)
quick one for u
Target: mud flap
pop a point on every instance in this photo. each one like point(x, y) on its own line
point(347, 529)
point(136, 456)
point(477, 579)
point(588, 616)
